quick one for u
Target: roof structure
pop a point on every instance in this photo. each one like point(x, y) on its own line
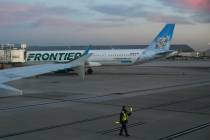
point(177, 47)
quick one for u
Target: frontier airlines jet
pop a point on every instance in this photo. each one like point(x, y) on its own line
point(158, 48)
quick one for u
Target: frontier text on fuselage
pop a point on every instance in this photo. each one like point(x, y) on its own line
point(53, 56)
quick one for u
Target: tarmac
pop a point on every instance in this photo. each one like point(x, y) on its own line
point(170, 100)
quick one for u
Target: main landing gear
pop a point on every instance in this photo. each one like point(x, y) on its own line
point(89, 71)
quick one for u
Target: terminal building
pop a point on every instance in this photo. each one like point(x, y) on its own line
point(207, 53)
point(12, 54)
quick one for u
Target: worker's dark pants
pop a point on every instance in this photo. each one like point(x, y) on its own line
point(124, 127)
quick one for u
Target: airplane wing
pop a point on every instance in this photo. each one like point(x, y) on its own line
point(28, 71)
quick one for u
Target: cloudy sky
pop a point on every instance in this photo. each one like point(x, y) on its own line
point(103, 22)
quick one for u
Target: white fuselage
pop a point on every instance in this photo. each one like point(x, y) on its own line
point(98, 57)
point(158, 48)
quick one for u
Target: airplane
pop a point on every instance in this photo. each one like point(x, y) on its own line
point(158, 48)
point(12, 74)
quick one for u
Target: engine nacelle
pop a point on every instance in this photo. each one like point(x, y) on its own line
point(93, 64)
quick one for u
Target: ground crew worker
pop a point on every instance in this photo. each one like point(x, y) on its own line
point(124, 120)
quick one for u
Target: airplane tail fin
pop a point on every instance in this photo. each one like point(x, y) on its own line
point(163, 39)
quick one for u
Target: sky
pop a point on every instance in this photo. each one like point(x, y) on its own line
point(103, 22)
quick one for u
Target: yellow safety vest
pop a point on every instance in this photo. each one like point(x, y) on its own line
point(125, 116)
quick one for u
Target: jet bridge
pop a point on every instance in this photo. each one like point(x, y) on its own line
point(12, 54)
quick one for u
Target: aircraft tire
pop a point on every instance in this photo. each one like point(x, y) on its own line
point(89, 71)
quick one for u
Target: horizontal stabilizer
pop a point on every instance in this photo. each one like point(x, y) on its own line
point(164, 53)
